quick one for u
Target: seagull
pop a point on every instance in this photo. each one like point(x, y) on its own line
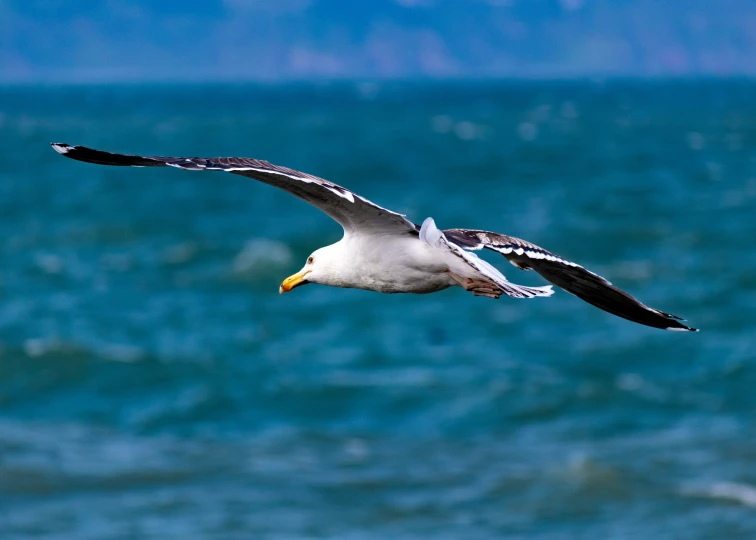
point(383, 251)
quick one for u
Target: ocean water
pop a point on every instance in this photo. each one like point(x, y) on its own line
point(154, 384)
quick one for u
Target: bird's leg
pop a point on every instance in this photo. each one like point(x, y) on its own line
point(488, 293)
point(477, 287)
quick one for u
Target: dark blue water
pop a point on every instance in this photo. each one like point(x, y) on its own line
point(153, 383)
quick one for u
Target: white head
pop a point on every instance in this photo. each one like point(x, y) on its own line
point(323, 267)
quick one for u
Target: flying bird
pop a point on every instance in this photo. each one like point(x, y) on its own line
point(383, 251)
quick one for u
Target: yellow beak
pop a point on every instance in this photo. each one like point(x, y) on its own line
point(293, 281)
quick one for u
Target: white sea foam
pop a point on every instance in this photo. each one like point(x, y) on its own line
point(259, 254)
point(744, 494)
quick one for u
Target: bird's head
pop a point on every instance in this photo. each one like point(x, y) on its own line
point(321, 267)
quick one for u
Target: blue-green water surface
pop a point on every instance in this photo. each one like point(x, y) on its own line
point(154, 384)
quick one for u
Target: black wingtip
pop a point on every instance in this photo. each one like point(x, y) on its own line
point(61, 148)
point(682, 328)
point(89, 155)
point(674, 323)
point(674, 317)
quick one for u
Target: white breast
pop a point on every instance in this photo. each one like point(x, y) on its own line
point(394, 264)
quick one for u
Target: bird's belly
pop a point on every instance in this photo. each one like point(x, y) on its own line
point(410, 267)
point(407, 282)
point(418, 284)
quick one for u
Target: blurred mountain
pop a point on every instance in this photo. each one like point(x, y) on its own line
point(87, 40)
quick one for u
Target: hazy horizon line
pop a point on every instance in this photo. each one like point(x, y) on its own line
point(281, 81)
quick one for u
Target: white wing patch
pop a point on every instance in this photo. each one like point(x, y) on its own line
point(431, 235)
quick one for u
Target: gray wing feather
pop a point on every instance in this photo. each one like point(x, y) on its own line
point(350, 210)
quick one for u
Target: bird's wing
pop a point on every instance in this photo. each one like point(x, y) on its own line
point(568, 275)
point(351, 211)
point(430, 234)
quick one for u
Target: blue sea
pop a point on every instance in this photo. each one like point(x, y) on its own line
point(155, 385)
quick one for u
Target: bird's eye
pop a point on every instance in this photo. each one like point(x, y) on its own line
point(309, 260)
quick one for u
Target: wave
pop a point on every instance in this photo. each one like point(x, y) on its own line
point(258, 255)
point(744, 494)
